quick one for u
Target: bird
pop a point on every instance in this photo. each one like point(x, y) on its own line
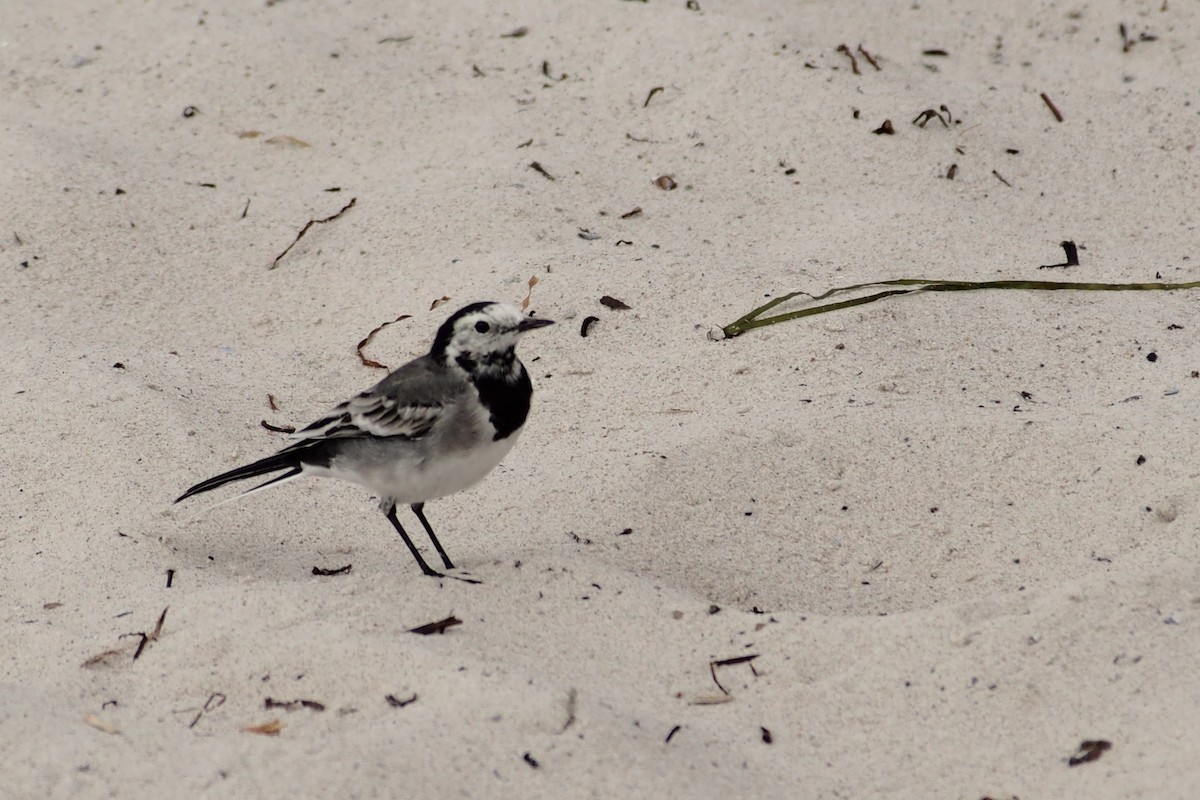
point(434, 427)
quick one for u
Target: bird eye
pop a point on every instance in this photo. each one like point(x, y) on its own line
point(481, 326)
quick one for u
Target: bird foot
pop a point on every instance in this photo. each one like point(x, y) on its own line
point(461, 575)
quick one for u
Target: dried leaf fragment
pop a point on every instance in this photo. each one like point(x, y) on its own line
point(287, 141)
point(1089, 750)
point(539, 169)
point(611, 302)
point(101, 659)
point(271, 728)
point(436, 627)
point(100, 725)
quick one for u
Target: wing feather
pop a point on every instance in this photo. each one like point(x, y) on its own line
point(405, 404)
point(369, 414)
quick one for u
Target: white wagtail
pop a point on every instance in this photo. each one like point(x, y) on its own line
point(433, 427)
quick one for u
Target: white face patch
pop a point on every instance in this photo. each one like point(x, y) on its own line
point(486, 334)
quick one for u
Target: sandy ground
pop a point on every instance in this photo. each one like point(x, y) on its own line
point(956, 531)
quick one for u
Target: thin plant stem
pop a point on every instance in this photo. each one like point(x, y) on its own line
point(755, 318)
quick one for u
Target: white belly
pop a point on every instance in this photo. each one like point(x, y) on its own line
point(413, 472)
point(441, 476)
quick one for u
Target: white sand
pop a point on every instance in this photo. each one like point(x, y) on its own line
point(962, 652)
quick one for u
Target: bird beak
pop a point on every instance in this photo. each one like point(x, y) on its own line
point(531, 323)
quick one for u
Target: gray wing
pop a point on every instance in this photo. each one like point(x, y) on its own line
point(405, 404)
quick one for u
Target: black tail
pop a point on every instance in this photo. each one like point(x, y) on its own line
point(292, 459)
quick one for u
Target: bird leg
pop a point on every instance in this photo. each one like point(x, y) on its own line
point(391, 516)
point(419, 510)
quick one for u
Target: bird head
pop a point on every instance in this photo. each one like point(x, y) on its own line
point(482, 337)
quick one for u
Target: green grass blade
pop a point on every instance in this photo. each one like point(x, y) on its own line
point(755, 318)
